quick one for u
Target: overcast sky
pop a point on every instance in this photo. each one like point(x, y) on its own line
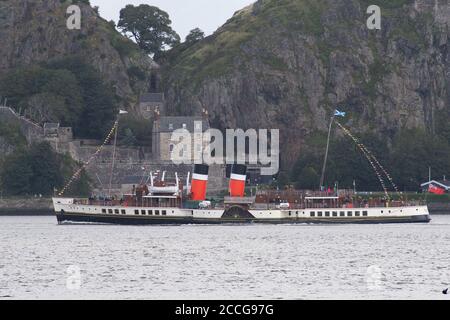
point(186, 15)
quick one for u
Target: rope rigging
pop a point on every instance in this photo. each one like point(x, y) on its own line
point(77, 174)
point(372, 160)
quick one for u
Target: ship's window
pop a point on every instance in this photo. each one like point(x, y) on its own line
point(110, 211)
point(156, 212)
point(327, 213)
point(164, 213)
point(103, 210)
point(381, 211)
point(365, 213)
point(123, 211)
point(357, 214)
point(319, 214)
point(136, 211)
point(313, 214)
point(143, 212)
point(150, 212)
point(116, 211)
point(342, 214)
point(173, 211)
point(349, 213)
point(334, 213)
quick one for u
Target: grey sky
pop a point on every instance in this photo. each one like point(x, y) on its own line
point(186, 15)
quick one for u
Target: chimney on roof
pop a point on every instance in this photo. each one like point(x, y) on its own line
point(205, 114)
point(157, 113)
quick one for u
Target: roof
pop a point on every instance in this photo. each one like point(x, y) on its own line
point(442, 183)
point(50, 125)
point(169, 124)
point(152, 97)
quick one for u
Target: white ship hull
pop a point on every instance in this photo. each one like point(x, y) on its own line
point(66, 209)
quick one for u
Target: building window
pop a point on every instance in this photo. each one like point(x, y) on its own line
point(171, 146)
point(365, 213)
point(334, 213)
point(313, 214)
point(184, 126)
point(170, 126)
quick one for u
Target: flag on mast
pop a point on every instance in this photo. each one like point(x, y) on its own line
point(123, 112)
point(338, 113)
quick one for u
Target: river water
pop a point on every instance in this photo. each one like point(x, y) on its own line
point(42, 260)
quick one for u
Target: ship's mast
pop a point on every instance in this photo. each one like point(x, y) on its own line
point(322, 177)
point(114, 151)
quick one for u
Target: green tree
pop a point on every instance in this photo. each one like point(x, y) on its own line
point(16, 174)
point(46, 169)
point(149, 26)
point(100, 105)
point(194, 36)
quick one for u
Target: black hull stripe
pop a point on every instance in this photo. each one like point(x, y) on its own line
point(146, 220)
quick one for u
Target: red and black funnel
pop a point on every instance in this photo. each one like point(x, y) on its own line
point(237, 180)
point(199, 182)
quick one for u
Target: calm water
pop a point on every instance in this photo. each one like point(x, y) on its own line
point(40, 259)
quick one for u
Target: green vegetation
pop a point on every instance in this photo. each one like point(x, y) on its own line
point(149, 26)
point(38, 170)
point(68, 91)
point(12, 134)
point(134, 131)
point(194, 36)
point(407, 160)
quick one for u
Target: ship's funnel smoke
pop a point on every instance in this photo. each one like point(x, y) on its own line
point(199, 182)
point(237, 180)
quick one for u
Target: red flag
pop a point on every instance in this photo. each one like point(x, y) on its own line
point(435, 190)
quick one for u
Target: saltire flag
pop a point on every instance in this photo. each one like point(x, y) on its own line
point(435, 190)
point(123, 112)
point(338, 113)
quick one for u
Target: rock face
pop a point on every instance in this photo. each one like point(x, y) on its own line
point(288, 64)
point(34, 31)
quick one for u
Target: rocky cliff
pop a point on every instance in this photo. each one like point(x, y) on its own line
point(288, 64)
point(34, 31)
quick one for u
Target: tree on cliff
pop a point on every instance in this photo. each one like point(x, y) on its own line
point(149, 26)
point(194, 36)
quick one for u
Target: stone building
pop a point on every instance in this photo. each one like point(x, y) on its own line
point(163, 144)
point(151, 102)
